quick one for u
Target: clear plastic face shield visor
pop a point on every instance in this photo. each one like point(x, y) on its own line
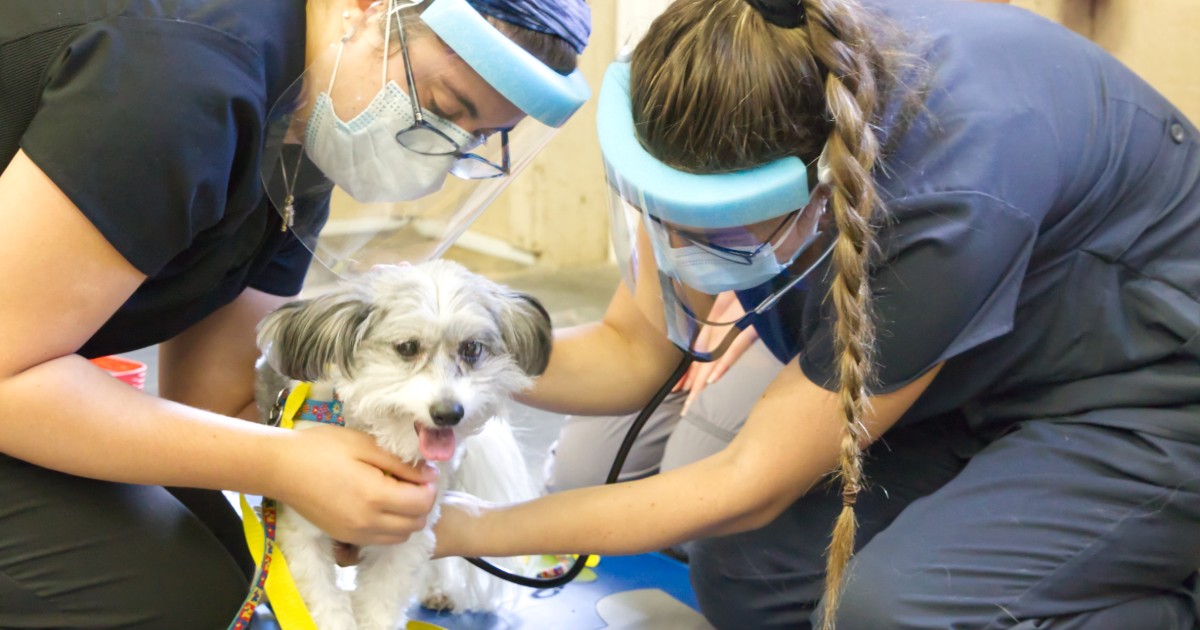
point(421, 113)
point(691, 246)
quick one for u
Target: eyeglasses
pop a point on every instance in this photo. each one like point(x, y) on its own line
point(711, 241)
point(424, 138)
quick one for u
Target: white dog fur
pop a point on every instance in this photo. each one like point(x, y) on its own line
point(409, 348)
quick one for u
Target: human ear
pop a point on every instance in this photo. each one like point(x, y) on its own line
point(354, 10)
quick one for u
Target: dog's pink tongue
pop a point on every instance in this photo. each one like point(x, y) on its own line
point(437, 445)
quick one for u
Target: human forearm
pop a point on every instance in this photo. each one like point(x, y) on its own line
point(595, 371)
point(697, 501)
point(790, 442)
point(606, 368)
point(69, 416)
point(741, 488)
point(64, 280)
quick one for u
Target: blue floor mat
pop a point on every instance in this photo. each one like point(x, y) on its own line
point(644, 592)
point(648, 590)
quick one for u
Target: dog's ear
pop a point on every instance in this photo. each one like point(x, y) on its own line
point(303, 339)
point(525, 329)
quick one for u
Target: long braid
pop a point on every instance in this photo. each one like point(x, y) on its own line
point(850, 96)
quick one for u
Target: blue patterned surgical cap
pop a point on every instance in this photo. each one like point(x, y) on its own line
point(570, 20)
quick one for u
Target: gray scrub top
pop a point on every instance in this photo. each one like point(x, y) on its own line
point(1043, 237)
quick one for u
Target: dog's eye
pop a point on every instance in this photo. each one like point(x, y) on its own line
point(470, 351)
point(408, 349)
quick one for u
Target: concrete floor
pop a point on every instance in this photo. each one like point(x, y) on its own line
point(571, 297)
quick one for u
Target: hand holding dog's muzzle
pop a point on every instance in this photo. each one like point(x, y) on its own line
point(331, 475)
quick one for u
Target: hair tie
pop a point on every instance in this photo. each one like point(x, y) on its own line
point(781, 13)
point(850, 494)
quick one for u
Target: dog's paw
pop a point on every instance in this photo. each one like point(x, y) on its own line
point(437, 601)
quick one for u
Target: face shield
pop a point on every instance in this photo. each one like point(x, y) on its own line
point(422, 117)
point(687, 243)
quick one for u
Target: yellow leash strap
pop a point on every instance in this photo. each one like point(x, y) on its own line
point(292, 406)
point(273, 575)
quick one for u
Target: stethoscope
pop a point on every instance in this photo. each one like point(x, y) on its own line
point(690, 355)
point(614, 472)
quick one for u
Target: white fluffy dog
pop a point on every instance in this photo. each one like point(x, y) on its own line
point(423, 358)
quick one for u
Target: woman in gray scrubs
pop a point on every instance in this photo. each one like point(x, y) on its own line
point(1000, 354)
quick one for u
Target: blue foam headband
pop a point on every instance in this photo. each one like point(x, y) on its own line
point(523, 79)
point(720, 200)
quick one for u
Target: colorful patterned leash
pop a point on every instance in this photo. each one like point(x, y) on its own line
point(272, 578)
point(259, 584)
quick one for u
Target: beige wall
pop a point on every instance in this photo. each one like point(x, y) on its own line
point(1158, 39)
point(556, 209)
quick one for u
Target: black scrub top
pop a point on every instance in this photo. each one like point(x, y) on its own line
point(152, 117)
point(1043, 237)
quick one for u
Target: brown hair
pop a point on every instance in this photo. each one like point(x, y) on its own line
point(715, 88)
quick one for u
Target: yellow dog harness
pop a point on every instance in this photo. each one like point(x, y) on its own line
point(272, 576)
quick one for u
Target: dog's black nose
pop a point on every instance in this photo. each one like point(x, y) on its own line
point(446, 413)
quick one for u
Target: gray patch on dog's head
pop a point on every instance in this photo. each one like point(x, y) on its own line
point(526, 330)
point(303, 339)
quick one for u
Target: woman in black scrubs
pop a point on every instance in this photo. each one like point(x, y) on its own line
point(133, 213)
point(989, 305)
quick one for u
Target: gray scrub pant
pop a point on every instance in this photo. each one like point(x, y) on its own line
point(79, 553)
point(1053, 525)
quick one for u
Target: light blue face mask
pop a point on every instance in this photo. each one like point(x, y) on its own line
point(709, 272)
point(703, 232)
point(704, 271)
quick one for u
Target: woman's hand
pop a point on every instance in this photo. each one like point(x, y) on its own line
point(343, 483)
point(460, 514)
point(701, 375)
point(726, 308)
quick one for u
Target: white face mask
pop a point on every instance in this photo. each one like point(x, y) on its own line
point(364, 158)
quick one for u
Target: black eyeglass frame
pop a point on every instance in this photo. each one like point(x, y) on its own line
point(728, 254)
point(466, 163)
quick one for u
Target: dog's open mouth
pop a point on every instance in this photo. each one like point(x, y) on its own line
point(437, 445)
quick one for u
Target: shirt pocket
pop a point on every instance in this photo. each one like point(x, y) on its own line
point(1111, 318)
point(1159, 174)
